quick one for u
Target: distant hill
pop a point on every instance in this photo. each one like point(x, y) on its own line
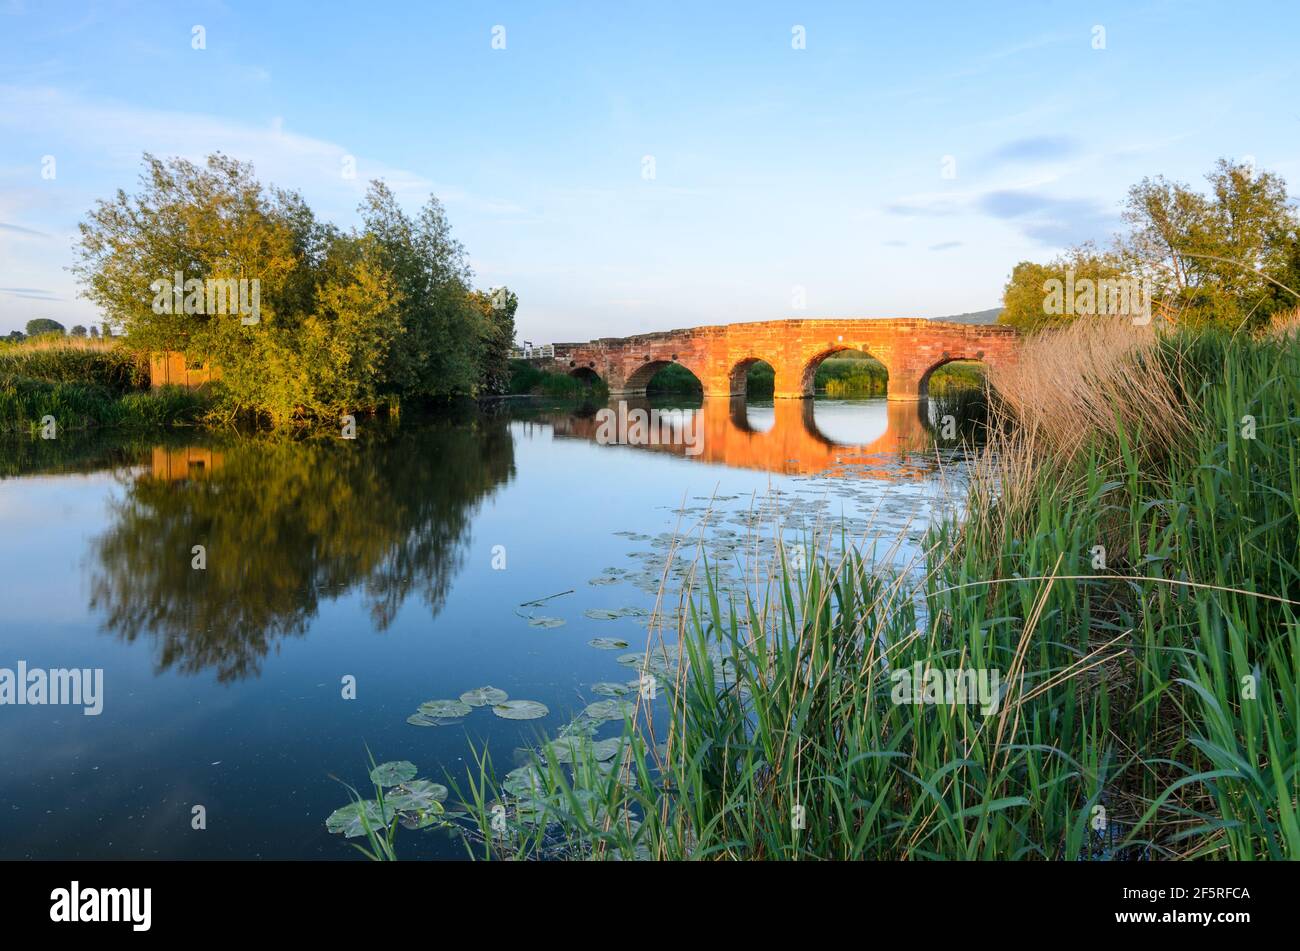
point(989, 316)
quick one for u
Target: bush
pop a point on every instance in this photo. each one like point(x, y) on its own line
point(674, 379)
point(851, 376)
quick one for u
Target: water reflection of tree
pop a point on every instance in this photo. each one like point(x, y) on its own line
point(286, 524)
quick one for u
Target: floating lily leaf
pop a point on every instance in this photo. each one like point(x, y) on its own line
point(609, 709)
point(390, 774)
point(484, 696)
point(353, 819)
point(420, 719)
point(604, 580)
point(523, 782)
point(520, 710)
point(536, 812)
point(568, 749)
point(546, 622)
point(608, 689)
point(416, 795)
point(608, 614)
point(603, 750)
point(580, 726)
point(421, 819)
point(440, 709)
point(607, 644)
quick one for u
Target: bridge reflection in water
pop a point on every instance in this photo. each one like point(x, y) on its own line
point(720, 431)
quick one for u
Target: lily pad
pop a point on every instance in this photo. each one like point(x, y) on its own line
point(420, 719)
point(520, 710)
point(609, 709)
point(390, 774)
point(445, 708)
point(416, 795)
point(353, 819)
point(546, 622)
point(484, 696)
point(568, 749)
point(607, 644)
point(422, 819)
point(607, 688)
point(603, 750)
point(580, 726)
point(523, 782)
point(607, 614)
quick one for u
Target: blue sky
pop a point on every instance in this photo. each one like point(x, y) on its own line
point(778, 172)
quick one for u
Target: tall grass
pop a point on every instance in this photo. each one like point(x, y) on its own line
point(85, 384)
point(26, 403)
point(1129, 566)
point(73, 360)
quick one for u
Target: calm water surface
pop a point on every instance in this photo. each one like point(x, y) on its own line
point(374, 559)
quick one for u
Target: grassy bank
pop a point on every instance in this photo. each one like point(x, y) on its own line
point(1128, 569)
point(528, 379)
point(84, 385)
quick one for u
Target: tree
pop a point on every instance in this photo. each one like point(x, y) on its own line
point(77, 331)
point(43, 325)
point(1230, 257)
point(496, 309)
point(437, 353)
point(1213, 258)
point(94, 332)
point(343, 319)
point(1040, 295)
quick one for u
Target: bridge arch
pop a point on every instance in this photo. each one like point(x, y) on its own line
point(808, 374)
point(639, 378)
point(923, 384)
point(586, 374)
point(738, 376)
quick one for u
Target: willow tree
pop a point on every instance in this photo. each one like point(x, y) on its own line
point(342, 319)
point(438, 353)
point(1215, 257)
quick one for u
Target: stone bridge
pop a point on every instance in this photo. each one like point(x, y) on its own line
point(721, 355)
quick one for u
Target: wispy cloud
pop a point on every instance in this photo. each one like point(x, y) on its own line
point(1049, 220)
point(1038, 148)
point(122, 132)
point(19, 229)
point(928, 206)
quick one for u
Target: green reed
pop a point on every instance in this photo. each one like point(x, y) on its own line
point(1141, 615)
point(25, 404)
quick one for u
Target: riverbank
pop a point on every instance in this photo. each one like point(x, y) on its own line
point(1106, 663)
point(47, 387)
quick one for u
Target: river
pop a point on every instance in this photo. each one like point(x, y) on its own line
point(340, 583)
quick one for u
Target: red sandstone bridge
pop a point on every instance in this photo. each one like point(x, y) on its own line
point(721, 355)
